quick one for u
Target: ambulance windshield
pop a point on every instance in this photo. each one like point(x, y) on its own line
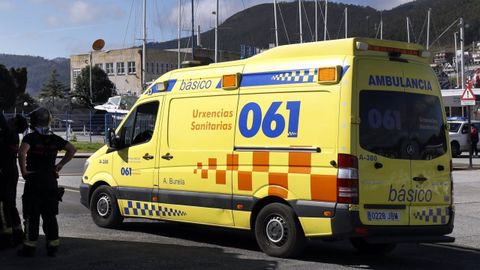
point(402, 125)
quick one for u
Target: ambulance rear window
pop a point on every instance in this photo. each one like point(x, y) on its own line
point(402, 125)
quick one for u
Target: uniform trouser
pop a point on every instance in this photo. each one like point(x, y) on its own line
point(40, 202)
point(9, 217)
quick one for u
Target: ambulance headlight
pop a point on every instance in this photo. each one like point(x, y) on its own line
point(85, 166)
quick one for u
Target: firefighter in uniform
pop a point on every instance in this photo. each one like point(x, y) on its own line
point(11, 226)
point(37, 156)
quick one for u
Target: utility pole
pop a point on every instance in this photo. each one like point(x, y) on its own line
point(300, 19)
point(462, 74)
point(456, 59)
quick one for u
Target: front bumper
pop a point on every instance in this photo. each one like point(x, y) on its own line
point(85, 194)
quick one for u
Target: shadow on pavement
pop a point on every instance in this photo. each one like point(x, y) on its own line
point(101, 254)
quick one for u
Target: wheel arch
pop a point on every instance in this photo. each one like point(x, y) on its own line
point(270, 194)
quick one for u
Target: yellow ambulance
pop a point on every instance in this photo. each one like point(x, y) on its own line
point(343, 139)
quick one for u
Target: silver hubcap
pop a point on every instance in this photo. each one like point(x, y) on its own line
point(275, 229)
point(103, 205)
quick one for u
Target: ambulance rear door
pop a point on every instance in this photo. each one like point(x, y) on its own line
point(384, 169)
point(430, 196)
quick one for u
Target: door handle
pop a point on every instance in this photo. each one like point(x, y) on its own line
point(378, 165)
point(440, 168)
point(147, 156)
point(167, 156)
point(419, 178)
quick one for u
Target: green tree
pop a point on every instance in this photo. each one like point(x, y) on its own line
point(53, 89)
point(102, 87)
point(12, 83)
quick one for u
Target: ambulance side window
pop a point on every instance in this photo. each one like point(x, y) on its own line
point(140, 125)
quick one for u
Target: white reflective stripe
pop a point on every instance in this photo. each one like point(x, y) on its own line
point(347, 189)
point(347, 173)
point(347, 194)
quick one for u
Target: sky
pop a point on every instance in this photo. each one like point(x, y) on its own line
point(60, 28)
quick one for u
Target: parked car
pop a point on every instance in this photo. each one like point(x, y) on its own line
point(459, 131)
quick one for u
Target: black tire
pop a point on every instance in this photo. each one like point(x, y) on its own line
point(455, 149)
point(104, 208)
point(278, 231)
point(373, 249)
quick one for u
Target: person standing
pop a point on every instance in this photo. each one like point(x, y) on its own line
point(37, 156)
point(12, 229)
point(474, 140)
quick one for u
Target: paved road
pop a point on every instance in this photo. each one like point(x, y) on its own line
point(143, 244)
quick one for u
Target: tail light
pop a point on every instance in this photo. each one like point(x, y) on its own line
point(347, 179)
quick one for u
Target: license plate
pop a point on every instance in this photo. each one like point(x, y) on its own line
point(383, 215)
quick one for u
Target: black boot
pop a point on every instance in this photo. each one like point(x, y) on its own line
point(17, 238)
point(26, 251)
point(5, 241)
point(52, 251)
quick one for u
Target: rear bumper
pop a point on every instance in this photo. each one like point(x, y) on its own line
point(346, 224)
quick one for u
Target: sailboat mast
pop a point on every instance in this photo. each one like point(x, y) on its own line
point(316, 20)
point(178, 31)
point(216, 33)
point(408, 30)
point(275, 18)
point(193, 34)
point(300, 19)
point(346, 22)
point(428, 27)
point(325, 22)
point(144, 47)
point(381, 25)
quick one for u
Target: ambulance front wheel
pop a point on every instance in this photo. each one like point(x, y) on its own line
point(104, 208)
point(278, 231)
point(364, 247)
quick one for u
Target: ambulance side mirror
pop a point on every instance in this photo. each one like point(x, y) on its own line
point(113, 139)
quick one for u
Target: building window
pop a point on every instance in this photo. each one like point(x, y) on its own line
point(100, 66)
point(120, 68)
point(75, 73)
point(109, 68)
point(131, 67)
point(161, 69)
point(148, 64)
point(158, 71)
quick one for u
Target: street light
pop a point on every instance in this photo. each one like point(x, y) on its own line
point(96, 46)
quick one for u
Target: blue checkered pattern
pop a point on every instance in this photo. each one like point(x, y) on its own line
point(437, 215)
point(303, 75)
point(146, 209)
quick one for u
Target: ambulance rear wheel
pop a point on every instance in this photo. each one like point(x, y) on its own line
point(104, 208)
point(278, 231)
point(374, 249)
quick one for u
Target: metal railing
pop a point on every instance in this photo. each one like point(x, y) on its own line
point(88, 127)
